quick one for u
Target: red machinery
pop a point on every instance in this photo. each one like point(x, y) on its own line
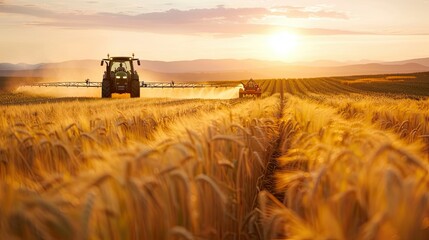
point(250, 88)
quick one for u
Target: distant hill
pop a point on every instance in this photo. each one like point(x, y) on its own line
point(208, 65)
point(421, 61)
point(330, 63)
point(19, 66)
point(211, 70)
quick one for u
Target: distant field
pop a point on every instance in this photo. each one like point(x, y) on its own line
point(325, 158)
point(11, 83)
point(416, 84)
point(412, 84)
point(7, 98)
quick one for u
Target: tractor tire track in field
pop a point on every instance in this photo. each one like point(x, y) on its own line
point(315, 166)
point(269, 182)
point(301, 89)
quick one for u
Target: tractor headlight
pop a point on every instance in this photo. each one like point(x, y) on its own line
point(117, 77)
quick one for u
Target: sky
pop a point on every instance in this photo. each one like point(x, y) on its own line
point(34, 31)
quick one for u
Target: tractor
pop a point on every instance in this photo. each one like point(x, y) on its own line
point(120, 76)
point(250, 88)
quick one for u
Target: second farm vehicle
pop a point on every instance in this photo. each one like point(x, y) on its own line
point(251, 88)
point(120, 76)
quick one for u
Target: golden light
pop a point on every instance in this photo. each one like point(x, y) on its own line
point(283, 43)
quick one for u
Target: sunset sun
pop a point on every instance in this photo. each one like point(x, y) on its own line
point(283, 43)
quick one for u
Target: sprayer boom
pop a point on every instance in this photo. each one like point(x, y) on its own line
point(142, 84)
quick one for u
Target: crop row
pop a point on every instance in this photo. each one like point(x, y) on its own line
point(408, 118)
point(339, 178)
point(305, 86)
point(51, 139)
point(196, 177)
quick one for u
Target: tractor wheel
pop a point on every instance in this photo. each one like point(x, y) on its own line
point(135, 89)
point(106, 91)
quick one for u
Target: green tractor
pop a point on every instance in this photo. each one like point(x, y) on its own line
point(120, 77)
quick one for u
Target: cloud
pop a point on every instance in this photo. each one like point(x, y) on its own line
point(301, 12)
point(220, 21)
point(29, 10)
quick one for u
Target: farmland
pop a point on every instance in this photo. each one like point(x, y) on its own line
point(326, 158)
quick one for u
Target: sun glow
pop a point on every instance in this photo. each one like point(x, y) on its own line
point(283, 43)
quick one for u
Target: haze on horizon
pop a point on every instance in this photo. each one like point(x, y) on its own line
point(50, 31)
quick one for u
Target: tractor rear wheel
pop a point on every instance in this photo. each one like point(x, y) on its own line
point(106, 90)
point(135, 89)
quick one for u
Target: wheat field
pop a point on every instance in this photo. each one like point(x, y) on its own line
point(311, 159)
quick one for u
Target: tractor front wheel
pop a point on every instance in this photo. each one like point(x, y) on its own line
point(106, 90)
point(135, 89)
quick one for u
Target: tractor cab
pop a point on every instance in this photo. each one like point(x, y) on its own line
point(251, 85)
point(120, 76)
